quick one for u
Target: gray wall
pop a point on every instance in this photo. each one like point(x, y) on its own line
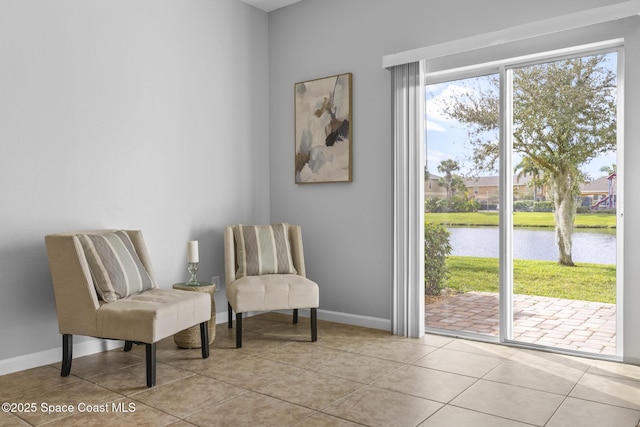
point(146, 114)
point(348, 227)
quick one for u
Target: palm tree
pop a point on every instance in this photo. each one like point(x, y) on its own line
point(447, 167)
point(609, 169)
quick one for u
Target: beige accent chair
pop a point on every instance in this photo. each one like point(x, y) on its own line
point(142, 318)
point(267, 292)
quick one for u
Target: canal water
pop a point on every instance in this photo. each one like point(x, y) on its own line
point(590, 246)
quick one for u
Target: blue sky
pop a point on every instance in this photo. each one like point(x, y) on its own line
point(447, 139)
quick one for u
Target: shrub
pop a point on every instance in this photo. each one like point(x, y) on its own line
point(431, 205)
point(456, 204)
point(530, 206)
point(523, 205)
point(436, 250)
point(543, 207)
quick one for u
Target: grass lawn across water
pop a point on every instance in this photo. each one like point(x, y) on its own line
point(520, 219)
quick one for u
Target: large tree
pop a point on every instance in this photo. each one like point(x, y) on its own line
point(564, 115)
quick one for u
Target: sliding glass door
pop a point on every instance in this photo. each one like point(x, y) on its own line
point(563, 142)
point(522, 201)
point(462, 199)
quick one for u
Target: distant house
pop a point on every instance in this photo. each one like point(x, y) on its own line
point(485, 189)
point(600, 193)
point(597, 194)
point(432, 187)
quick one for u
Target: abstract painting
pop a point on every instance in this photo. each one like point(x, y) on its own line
point(323, 130)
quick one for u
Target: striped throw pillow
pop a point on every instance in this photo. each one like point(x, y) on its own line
point(263, 249)
point(115, 267)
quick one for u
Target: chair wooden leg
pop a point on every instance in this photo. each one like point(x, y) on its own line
point(128, 345)
point(295, 315)
point(230, 311)
point(67, 354)
point(151, 364)
point(238, 330)
point(314, 324)
point(204, 339)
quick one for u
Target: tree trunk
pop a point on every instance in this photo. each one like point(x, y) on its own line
point(564, 213)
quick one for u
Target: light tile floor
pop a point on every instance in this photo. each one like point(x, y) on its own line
point(568, 324)
point(351, 376)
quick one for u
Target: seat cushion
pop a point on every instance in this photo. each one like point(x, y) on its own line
point(115, 267)
point(263, 249)
point(272, 292)
point(152, 315)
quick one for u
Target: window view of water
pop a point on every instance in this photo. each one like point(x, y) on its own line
point(544, 106)
point(597, 247)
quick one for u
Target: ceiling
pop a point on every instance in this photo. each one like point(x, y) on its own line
point(269, 5)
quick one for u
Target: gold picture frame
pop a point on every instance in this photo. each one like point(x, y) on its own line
point(323, 130)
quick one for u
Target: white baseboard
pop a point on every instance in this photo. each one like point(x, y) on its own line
point(222, 317)
point(355, 319)
point(632, 360)
point(348, 319)
point(48, 357)
point(86, 348)
point(94, 345)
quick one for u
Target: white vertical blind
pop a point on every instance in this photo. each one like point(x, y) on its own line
point(408, 194)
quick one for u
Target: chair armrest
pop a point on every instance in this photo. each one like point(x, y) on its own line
point(229, 256)
point(297, 252)
point(75, 295)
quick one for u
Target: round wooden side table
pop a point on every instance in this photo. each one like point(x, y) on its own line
point(190, 338)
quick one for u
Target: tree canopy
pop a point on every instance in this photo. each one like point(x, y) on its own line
point(564, 116)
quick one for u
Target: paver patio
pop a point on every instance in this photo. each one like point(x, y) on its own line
point(563, 323)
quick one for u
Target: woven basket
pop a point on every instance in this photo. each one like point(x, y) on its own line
point(190, 338)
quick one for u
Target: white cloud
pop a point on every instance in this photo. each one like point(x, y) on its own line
point(437, 98)
point(438, 95)
point(431, 125)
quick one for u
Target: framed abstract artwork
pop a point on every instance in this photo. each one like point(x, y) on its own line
point(323, 130)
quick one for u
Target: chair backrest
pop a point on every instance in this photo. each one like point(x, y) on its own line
point(295, 241)
point(76, 297)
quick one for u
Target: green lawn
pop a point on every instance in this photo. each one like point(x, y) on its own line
point(586, 282)
point(520, 219)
